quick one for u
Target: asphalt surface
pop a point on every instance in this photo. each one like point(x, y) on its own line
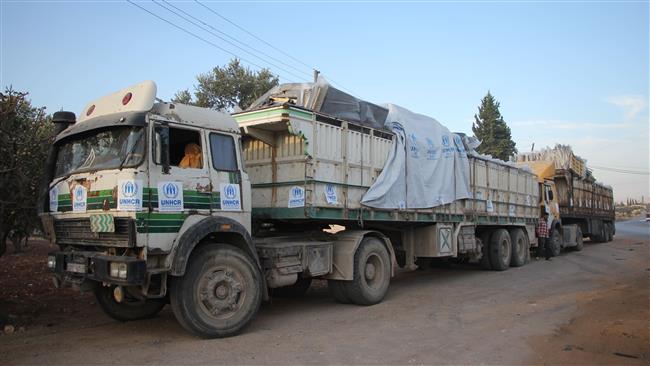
point(638, 227)
point(458, 314)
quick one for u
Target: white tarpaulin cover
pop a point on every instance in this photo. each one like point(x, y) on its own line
point(427, 167)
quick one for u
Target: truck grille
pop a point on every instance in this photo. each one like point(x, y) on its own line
point(77, 232)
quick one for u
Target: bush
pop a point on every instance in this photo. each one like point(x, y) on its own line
point(25, 137)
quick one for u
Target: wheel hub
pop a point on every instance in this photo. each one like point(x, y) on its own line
point(370, 271)
point(220, 292)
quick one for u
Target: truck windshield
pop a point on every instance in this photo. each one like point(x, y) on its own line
point(106, 149)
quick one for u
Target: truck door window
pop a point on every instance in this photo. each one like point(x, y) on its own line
point(224, 155)
point(183, 147)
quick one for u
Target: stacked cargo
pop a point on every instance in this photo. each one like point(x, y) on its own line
point(582, 201)
point(561, 155)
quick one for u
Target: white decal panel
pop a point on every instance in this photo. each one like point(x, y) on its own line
point(296, 197)
point(54, 199)
point(129, 195)
point(79, 198)
point(230, 197)
point(170, 196)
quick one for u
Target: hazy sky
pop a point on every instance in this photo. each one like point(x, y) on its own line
point(565, 72)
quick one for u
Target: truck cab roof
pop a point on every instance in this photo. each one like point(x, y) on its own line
point(130, 106)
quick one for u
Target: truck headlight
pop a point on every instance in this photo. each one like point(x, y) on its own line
point(51, 261)
point(118, 270)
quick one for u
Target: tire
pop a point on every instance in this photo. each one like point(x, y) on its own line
point(130, 308)
point(297, 289)
point(608, 232)
point(601, 237)
point(579, 242)
point(337, 291)
point(485, 257)
point(220, 292)
point(500, 250)
point(371, 273)
point(555, 241)
point(519, 248)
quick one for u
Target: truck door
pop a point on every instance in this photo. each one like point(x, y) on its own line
point(550, 201)
point(179, 179)
point(230, 183)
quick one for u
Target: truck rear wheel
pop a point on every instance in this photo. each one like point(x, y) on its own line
point(600, 236)
point(485, 250)
point(500, 250)
point(219, 294)
point(130, 308)
point(579, 243)
point(519, 247)
point(608, 232)
point(555, 243)
point(371, 273)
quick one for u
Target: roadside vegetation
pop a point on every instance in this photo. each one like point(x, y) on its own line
point(25, 137)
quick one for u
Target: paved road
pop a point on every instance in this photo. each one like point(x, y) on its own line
point(588, 306)
point(638, 227)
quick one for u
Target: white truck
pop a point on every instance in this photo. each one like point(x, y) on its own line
point(153, 203)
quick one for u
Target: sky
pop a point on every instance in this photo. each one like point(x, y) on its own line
point(569, 72)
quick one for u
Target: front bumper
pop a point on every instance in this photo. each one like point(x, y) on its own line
point(75, 266)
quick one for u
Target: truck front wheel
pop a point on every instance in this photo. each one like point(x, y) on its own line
point(371, 273)
point(500, 250)
point(129, 308)
point(219, 294)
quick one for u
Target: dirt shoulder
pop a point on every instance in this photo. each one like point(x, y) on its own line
point(611, 325)
point(28, 298)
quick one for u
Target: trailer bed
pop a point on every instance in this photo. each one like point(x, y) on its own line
point(288, 150)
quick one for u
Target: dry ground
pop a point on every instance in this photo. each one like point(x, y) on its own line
point(589, 307)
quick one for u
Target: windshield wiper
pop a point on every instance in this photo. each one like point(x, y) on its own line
point(126, 157)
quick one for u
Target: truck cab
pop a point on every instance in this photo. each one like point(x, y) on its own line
point(560, 235)
point(136, 188)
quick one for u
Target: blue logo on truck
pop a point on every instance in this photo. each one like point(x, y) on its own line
point(130, 195)
point(230, 200)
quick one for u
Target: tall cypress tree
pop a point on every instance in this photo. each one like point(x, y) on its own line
point(493, 132)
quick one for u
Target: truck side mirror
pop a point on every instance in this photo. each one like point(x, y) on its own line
point(161, 147)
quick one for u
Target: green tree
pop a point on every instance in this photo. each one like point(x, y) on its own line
point(25, 136)
point(493, 132)
point(229, 87)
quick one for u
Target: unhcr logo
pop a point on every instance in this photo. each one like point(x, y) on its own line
point(230, 200)
point(129, 189)
point(79, 201)
point(79, 194)
point(329, 189)
point(445, 140)
point(296, 197)
point(170, 190)
point(230, 192)
point(296, 193)
point(130, 196)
